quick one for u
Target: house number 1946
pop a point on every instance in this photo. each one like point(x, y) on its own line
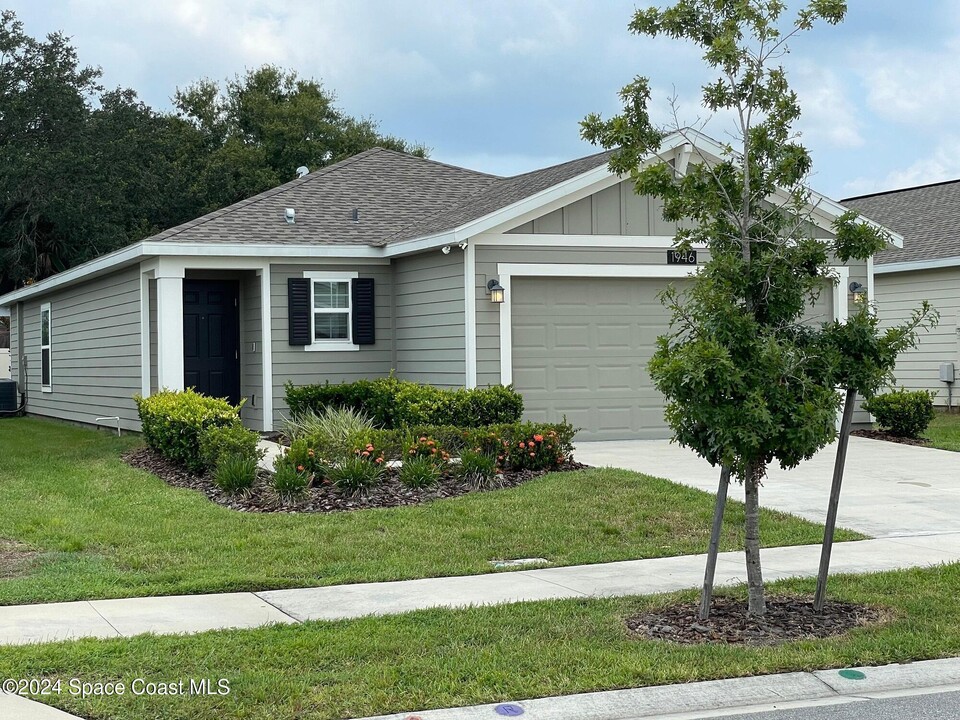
point(681, 257)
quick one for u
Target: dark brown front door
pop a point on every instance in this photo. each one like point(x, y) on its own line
point(211, 338)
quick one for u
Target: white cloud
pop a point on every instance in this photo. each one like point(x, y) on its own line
point(829, 116)
point(943, 163)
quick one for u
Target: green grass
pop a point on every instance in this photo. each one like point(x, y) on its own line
point(944, 432)
point(104, 529)
point(441, 658)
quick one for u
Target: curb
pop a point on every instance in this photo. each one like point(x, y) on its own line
point(715, 698)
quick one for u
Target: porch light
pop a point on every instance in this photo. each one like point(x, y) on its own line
point(496, 291)
point(858, 293)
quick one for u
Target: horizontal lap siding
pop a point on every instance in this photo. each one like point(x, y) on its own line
point(897, 296)
point(95, 350)
point(429, 300)
point(306, 367)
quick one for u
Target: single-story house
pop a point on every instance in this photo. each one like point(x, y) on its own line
point(926, 268)
point(384, 263)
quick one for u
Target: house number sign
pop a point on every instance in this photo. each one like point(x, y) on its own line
point(681, 257)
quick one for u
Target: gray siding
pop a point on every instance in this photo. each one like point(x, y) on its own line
point(307, 367)
point(429, 297)
point(897, 296)
point(617, 210)
point(95, 350)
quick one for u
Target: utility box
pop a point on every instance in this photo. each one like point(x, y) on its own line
point(947, 372)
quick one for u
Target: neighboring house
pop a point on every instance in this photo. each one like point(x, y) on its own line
point(926, 268)
point(378, 264)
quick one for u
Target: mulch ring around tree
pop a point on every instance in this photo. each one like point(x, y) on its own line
point(881, 435)
point(325, 498)
point(788, 618)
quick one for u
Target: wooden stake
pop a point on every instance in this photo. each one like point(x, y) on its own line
point(707, 595)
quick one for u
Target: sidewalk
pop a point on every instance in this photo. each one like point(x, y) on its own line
point(23, 624)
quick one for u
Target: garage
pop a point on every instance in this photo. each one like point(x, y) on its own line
point(581, 348)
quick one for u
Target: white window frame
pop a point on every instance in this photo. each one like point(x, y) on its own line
point(45, 308)
point(331, 345)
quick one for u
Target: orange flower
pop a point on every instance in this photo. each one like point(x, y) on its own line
point(370, 447)
point(423, 439)
point(365, 453)
point(299, 468)
point(521, 444)
point(533, 454)
point(412, 451)
point(378, 461)
point(433, 451)
point(430, 442)
point(538, 438)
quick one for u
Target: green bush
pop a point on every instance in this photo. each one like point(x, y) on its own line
point(902, 412)
point(229, 441)
point(479, 468)
point(391, 403)
point(330, 430)
point(288, 481)
point(419, 472)
point(235, 473)
point(359, 473)
point(172, 423)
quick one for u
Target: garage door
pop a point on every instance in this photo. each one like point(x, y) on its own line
point(580, 349)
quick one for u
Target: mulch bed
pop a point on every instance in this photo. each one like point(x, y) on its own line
point(881, 435)
point(325, 498)
point(788, 618)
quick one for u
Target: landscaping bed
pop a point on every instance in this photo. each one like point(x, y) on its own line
point(890, 437)
point(325, 498)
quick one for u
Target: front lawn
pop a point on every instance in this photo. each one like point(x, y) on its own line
point(439, 658)
point(102, 529)
point(944, 432)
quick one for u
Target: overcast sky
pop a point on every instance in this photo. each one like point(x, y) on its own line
point(500, 85)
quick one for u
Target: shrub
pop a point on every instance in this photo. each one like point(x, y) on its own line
point(425, 448)
point(173, 421)
point(419, 472)
point(235, 473)
point(360, 472)
point(329, 430)
point(902, 412)
point(478, 468)
point(392, 403)
point(229, 441)
point(288, 481)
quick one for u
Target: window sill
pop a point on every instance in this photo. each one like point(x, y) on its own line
point(334, 346)
point(46, 389)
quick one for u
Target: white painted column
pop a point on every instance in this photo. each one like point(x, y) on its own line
point(170, 332)
point(267, 348)
point(470, 313)
point(145, 334)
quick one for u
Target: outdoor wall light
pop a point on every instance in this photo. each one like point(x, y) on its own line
point(858, 293)
point(496, 291)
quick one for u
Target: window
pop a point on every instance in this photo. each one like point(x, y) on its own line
point(46, 382)
point(331, 311)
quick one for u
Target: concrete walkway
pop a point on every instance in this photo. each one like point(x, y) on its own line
point(716, 698)
point(197, 613)
point(889, 490)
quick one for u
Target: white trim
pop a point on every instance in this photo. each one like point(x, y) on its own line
point(266, 342)
point(169, 332)
point(470, 314)
point(331, 345)
point(260, 250)
point(948, 262)
point(45, 308)
point(871, 286)
point(507, 271)
point(145, 333)
point(841, 306)
point(627, 242)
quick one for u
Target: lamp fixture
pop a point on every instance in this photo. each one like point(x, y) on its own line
point(496, 291)
point(445, 249)
point(858, 293)
point(463, 245)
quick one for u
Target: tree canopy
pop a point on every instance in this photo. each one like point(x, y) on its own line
point(85, 170)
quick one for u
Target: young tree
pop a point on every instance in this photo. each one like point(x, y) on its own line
point(744, 382)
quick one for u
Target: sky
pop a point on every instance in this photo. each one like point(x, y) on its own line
point(501, 85)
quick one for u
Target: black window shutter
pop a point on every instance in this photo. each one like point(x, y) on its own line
point(298, 310)
point(364, 318)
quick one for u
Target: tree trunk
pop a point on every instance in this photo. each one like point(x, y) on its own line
point(751, 485)
point(707, 594)
point(831, 524)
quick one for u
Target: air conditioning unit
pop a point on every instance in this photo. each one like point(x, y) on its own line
point(9, 400)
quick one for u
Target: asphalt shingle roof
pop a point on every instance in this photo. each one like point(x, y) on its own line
point(928, 217)
point(398, 197)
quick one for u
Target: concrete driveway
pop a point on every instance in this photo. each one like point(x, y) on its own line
point(888, 489)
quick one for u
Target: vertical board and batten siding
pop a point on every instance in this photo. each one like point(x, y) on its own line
point(306, 367)
point(429, 301)
point(95, 350)
point(897, 296)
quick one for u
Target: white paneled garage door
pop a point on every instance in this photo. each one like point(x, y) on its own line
point(580, 349)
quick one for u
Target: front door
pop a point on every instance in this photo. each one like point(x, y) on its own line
point(211, 338)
